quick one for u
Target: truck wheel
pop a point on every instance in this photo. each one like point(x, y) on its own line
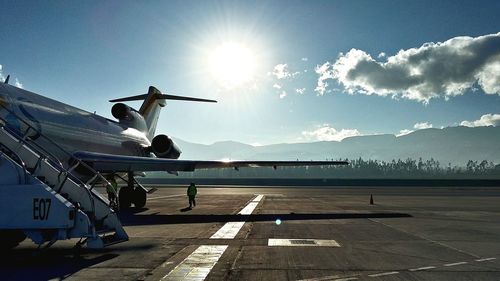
point(139, 198)
point(125, 197)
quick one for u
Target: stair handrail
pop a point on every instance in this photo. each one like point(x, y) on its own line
point(60, 167)
point(80, 162)
point(22, 164)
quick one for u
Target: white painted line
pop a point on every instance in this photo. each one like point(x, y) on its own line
point(167, 196)
point(258, 198)
point(249, 208)
point(486, 259)
point(455, 263)
point(422, 268)
point(197, 265)
point(383, 274)
point(302, 243)
point(329, 278)
point(231, 229)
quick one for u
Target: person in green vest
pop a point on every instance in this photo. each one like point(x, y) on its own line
point(191, 193)
point(112, 189)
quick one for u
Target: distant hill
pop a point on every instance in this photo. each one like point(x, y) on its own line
point(455, 145)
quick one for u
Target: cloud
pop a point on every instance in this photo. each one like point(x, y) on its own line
point(381, 55)
point(417, 126)
point(277, 86)
point(325, 73)
point(283, 95)
point(327, 133)
point(304, 59)
point(485, 120)
point(300, 91)
point(423, 125)
point(404, 132)
point(2, 78)
point(281, 71)
point(18, 84)
point(433, 70)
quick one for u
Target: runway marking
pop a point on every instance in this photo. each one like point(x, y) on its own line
point(456, 263)
point(424, 238)
point(330, 278)
point(228, 231)
point(167, 196)
point(335, 278)
point(487, 259)
point(422, 268)
point(383, 274)
point(302, 243)
point(198, 264)
point(231, 229)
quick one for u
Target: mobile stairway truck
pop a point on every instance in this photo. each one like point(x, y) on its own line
point(45, 201)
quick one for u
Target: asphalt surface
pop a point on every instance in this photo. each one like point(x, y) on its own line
point(326, 234)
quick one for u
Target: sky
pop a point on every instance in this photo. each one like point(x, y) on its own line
point(282, 71)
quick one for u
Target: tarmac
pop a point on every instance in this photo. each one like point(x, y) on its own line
point(277, 233)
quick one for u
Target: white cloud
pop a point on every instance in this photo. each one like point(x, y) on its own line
point(404, 132)
point(277, 86)
point(324, 73)
point(443, 69)
point(281, 71)
point(304, 59)
point(327, 133)
point(381, 55)
point(485, 120)
point(2, 78)
point(283, 95)
point(423, 125)
point(300, 91)
point(18, 84)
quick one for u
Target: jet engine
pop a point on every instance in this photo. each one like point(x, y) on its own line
point(163, 147)
point(128, 116)
point(122, 111)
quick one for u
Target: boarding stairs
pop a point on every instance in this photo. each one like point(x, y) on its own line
point(46, 200)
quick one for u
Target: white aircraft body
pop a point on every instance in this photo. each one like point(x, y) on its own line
point(127, 146)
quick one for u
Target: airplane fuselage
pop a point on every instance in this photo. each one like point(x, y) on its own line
point(71, 128)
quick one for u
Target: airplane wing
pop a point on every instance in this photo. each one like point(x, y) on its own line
point(119, 163)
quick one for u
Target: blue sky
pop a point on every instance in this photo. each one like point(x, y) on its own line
point(87, 52)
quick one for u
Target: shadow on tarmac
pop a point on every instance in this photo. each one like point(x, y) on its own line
point(58, 264)
point(130, 219)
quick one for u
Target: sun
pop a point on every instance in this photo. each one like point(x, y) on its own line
point(232, 64)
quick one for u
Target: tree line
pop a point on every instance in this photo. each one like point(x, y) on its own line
point(359, 168)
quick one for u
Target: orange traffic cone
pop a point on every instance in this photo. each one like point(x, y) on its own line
point(371, 199)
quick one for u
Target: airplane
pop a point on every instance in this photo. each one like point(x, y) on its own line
point(128, 146)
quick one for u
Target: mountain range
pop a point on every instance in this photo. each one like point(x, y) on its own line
point(455, 145)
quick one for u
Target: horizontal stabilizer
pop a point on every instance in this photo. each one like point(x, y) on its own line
point(162, 97)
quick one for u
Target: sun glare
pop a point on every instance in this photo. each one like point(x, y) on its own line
point(232, 64)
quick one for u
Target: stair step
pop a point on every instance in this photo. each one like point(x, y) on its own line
point(105, 231)
point(112, 239)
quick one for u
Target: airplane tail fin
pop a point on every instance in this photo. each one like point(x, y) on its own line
point(154, 100)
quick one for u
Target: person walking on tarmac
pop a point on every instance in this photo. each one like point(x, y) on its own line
point(112, 189)
point(191, 193)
